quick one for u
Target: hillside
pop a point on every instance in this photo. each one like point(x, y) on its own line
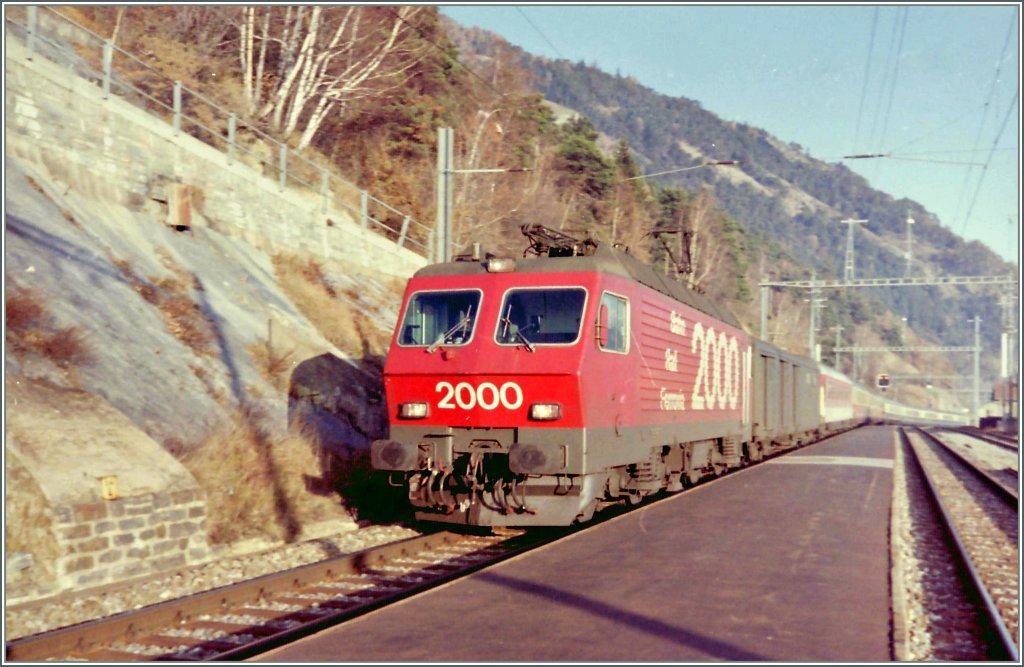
point(788, 203)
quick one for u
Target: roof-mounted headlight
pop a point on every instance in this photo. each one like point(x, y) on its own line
point(501, 265)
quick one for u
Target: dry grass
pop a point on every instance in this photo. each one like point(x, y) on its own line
point(23, 310)
point(274, 366)
point(31, 331)
point(258, 486)
point(337, 317)
point(183, 317)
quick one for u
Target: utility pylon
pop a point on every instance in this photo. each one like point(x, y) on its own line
point(848, 270)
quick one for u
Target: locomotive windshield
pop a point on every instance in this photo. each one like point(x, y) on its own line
point(541, 316)
point(440, 318)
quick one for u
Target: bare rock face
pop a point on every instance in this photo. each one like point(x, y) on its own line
point(340, 400)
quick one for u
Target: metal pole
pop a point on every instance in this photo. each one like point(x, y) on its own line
point(404, 232)
point(282, 167)
point(108, 66)
point(232, 129)
point(839, 330)
point(811, 326)
point(364, 209)
point(764, 312)
point(443, 225)
point(449, 238)
point(177, 108)
point(977, 369)
point(910, 246)
point(814, 313)
point(325, 189)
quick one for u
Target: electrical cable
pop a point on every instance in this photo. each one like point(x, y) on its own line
point(981, 125)
point(541, 33)
point(882, 86)
point(942, 127)
point(867, 77)
point(443, 51)
point(893, 82)
point(984, 169)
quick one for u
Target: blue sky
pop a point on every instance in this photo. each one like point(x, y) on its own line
point(934, 86)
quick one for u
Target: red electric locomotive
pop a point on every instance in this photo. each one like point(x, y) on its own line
point(525, 392)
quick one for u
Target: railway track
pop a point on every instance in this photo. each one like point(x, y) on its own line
point(251, 617)
point(1006, 441)
point(992, 459)
point(980, 514)
point(254, 616)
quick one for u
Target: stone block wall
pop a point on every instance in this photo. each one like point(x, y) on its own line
point(111, 540)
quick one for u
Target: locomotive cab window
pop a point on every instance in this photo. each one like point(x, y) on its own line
point(440, 318)
point(541, 316)
point(613, 323)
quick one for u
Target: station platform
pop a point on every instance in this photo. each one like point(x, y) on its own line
point(787, 560)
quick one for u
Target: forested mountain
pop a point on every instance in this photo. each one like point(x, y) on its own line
point(788, 204)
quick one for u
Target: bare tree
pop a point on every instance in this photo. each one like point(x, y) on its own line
point(706, 247)
point(299, 64)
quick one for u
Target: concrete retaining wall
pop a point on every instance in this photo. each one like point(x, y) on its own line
point(117, 505)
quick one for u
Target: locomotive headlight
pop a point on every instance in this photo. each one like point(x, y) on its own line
point(501, 265)
point(545, 412)
point(413, 410)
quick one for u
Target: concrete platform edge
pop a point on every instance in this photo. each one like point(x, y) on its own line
point(896, 588)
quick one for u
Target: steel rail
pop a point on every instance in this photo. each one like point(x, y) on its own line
point(95, 636)
point(1005, 493)
point(1006, 441)
point(1006, 641)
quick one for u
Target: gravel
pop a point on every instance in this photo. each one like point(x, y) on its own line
point(929, 606)
point(229, 566)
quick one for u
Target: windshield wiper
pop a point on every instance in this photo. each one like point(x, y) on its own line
point(461, 324)
point(507, 321)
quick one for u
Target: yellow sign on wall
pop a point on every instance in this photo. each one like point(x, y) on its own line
point(108, 487)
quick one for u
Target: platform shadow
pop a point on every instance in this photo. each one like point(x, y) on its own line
point(717, 649)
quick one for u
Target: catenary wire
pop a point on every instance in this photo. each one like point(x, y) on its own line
point(443, 51)
point(984, 168)
point(981, 125)
point(867, 77)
